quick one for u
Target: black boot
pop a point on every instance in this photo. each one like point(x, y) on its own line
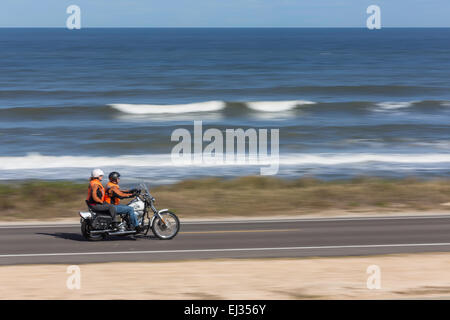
point(139, 229)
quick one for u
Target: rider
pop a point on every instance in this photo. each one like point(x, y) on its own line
point(113, 194)
point(96, 195)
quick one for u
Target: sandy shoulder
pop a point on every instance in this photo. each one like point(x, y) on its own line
point(402, 276)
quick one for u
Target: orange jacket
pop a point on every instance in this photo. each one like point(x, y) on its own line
point(114, 194)
point(96, 192)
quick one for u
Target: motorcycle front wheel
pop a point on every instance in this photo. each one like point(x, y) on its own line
point(169, 228)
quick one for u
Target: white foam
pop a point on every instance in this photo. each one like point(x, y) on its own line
point(276, 106)
point(207, 106)
point(394, 105)
point(439, 144)
point(38, 161)
point(351, 158)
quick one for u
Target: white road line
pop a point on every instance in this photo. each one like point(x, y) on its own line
point(40, 226)
point(222, 250)
point(280, 220)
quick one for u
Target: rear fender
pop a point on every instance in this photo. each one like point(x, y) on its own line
point(85, 215)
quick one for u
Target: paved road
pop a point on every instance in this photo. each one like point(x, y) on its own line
point(232, 239)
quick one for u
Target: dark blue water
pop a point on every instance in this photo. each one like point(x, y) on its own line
point(346, 101)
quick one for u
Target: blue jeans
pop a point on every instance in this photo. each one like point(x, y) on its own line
point(121, 209)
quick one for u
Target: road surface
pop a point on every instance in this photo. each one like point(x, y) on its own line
point(38, 244)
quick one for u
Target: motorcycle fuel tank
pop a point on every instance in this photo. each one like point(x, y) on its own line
point(137, 205)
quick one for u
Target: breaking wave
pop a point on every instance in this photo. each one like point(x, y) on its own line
point(38, 161)
point(276, 106)
point(208, 106)
point(386, 106)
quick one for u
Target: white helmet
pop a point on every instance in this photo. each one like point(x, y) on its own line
point(97, 173)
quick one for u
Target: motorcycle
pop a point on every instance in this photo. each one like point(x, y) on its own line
point(164, 223)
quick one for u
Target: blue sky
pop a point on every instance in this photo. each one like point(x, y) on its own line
point(225, 13)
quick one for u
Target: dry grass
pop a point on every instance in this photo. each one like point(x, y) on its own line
point(247, 196)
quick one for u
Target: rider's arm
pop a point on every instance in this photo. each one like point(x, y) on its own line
point(120, 193)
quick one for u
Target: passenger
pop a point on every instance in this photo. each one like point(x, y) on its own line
point(96, 196)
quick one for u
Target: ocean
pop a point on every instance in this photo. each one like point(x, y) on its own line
point(347, 102)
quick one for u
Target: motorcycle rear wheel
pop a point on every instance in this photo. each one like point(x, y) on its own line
point(86, 232)
point(170, 229)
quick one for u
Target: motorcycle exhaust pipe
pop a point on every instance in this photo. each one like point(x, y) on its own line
point(112, 232)
point(100, 231)
point(120, 233)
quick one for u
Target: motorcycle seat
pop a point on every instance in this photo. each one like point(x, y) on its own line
point(101, 214)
